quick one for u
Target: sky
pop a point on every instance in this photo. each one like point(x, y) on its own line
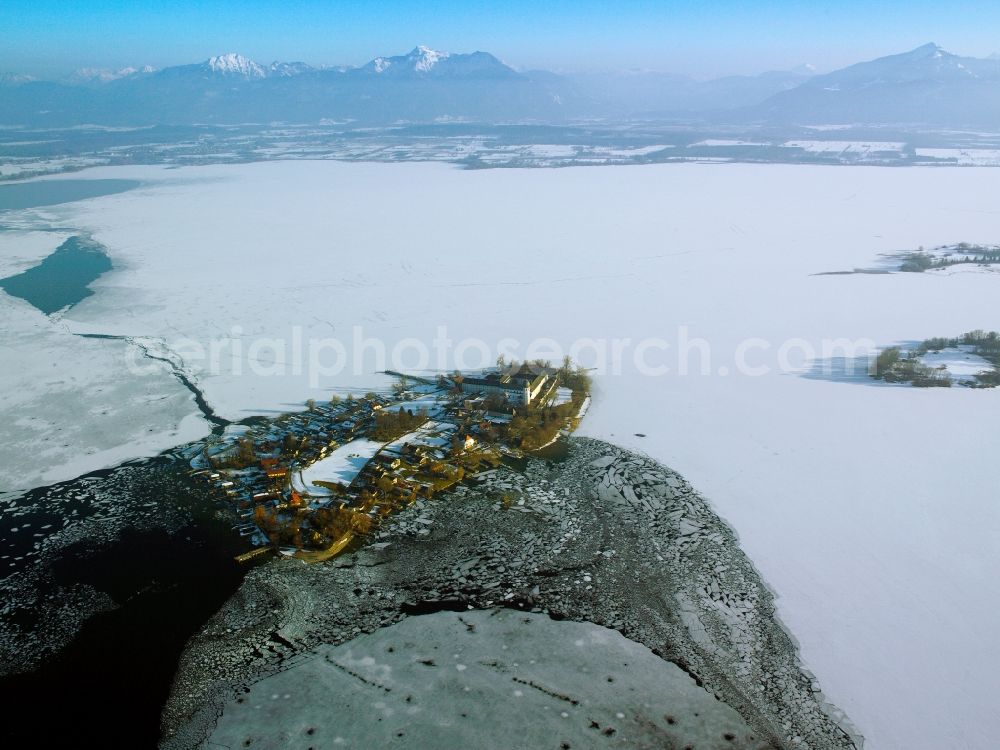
point(710, 38)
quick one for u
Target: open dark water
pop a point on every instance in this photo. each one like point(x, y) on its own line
point(169, 567)
point(63, 278)
point(41, 193)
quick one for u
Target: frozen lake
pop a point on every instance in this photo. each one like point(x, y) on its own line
point(876, 527)
point(50, 192)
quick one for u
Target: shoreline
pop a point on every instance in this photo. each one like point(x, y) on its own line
point(607, 536)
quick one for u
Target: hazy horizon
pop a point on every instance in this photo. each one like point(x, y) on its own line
point(49, 39)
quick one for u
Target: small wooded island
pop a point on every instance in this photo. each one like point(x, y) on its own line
point(945, 256)
point(972, 360)
point(972, 257)
point(305, 484)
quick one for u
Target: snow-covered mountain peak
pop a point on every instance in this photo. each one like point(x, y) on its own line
point(928, 51)
point(288, 69)
point(420, 59)
point(232, 63)
point(106, 75)
point(424, 62)
point(425, 58)
point(15, 79)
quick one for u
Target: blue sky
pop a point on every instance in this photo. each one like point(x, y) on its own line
point(708, 38)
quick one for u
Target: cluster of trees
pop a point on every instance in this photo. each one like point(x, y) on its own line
point(348, 399)
point(976, 253)
point(575, 377)
point(496, 402)
point(333, 523)
point(329, 523)
point(918, 262)
point(535, 428)
point(921, 260)
point(896, 366)
point(390, 425)
point(885, 361)
point(989, 379)
point(920, 375)
point(240, 456)
point(300, 530)
point(893, 366)
point(291, 444)
point(986, 343)
point(280, 530)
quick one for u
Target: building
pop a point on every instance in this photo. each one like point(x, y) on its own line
point(520, 388)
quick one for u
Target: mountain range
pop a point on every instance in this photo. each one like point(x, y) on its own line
point(926, 86)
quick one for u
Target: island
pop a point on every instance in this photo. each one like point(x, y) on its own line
point(972, 360)
point(964, 253)
point(308, 483)
point(969, 255)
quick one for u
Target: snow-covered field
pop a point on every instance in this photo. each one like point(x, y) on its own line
point(342, 465)
point(730, 142)
point(970, 157)
point(961, 363)
point(875, 527)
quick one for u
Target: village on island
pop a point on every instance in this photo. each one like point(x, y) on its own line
point(306, 484)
